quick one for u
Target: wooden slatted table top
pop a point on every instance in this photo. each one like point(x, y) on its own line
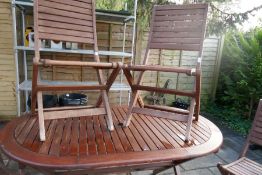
point(85, 142)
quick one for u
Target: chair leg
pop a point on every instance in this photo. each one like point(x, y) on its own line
point(156, 171)
point(34, 84)
point(130, 108)
point(197, 108)
point(41, 119)
point(190, 119)
point(21, 169)
point(109, 83)
point(130, 81)
point(177, 170)
point(198, 92)
point(108, 111)
point(221, 169)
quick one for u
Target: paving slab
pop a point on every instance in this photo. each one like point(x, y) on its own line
point(204, 171)
point(231, 143)
point(142, 172)
point(215, 171)
point(12, 166)
point(254, 154)
point(168, 171)
point(202, 162)
point(259, 160)
point(227, 154)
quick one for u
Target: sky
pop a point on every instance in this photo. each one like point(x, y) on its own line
point(242, 6)
point(255, 19)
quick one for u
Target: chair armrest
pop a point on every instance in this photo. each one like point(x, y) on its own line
point(188, 71)
point(98, 65)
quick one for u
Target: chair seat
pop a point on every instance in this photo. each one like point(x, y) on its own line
point(243, 166)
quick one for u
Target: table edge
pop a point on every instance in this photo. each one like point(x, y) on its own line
point(127, 159)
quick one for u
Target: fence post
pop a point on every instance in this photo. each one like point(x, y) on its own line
point(217, 67)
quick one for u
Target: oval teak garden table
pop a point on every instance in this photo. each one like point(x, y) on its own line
point(84, 144)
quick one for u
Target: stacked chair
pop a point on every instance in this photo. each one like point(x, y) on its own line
point(173, 27)
point(68, 21)
point(243, 165)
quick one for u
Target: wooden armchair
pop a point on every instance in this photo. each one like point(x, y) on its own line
point(70, 21)
point(173, 27)
point(245, 166)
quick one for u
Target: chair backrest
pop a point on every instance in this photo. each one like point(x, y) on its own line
point(65, 20)
point(178, 27)
point(255, 134)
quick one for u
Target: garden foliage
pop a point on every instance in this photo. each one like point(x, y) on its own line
point(240, 79)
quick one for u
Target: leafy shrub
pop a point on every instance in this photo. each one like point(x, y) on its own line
point(240, 79)
point(227, 117)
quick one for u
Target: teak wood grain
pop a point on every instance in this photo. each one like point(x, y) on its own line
point(243, 165)
point(69, 21)
point(172, 27)
point(85, 144)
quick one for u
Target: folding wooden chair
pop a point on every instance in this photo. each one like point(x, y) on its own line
point(70, 21)
point(173, 27)
point(245, 166)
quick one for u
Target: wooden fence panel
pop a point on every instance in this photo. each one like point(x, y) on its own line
point(210, 62)
point(110, 37)
point(7, 65)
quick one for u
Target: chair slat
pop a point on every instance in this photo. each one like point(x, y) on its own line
point(176, 40)
point(179, 23)
point(258, 124)
point(86, 4)
point(256, 140)
point(244, 165)
point(256, 134)
point(256, 131)
point(181, 7)
point(250, 167)
point(162, 17)
point(162, 90)
point(66, 7)
point(62, 38)
point(179, 17)
point(68, 20)
point(181, 46)
point(58, 12)
point(65, 20)
point(254, 164)
point(60, 25)
point(175, 35)
point(241, 170)
point(177, 29)
point(86, 1)
point(43, 29)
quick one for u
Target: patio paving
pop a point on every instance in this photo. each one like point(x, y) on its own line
point(206, 165)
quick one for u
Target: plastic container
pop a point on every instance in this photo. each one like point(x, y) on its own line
point(49, 101)
point(179, 103)
point(73, 99)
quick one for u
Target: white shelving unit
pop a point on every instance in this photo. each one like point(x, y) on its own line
point(26, 84)
point(78, 51)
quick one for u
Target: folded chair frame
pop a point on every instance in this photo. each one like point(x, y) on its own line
point(61, 22)
point(243, 165)
point(170, 38)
